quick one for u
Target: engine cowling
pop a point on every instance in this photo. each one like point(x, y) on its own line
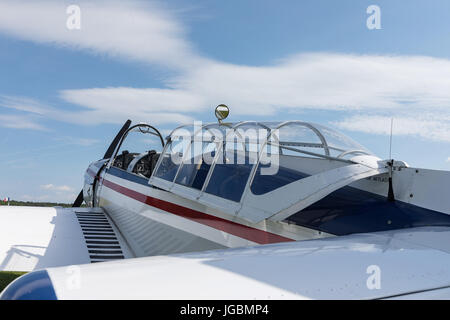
point(91, 181)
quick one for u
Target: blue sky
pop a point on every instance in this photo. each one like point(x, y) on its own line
point(64, 93)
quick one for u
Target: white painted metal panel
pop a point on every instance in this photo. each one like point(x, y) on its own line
point(34, 238)
point(423, 187)
point(302, 193)
point(333, 268)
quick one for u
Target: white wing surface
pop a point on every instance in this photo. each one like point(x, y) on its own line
point(392, 264)
point(34, 238)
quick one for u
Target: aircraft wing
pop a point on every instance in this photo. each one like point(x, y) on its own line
point(408, 263)
point(33, 238)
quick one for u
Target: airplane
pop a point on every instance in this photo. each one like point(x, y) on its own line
point(246, 210)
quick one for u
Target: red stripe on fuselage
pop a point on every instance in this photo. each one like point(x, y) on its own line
point(231, 227)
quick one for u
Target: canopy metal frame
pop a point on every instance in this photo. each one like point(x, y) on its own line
point(288, 145)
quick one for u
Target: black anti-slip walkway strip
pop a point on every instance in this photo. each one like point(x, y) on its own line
point(95, 224)
point(96, 229)
point(99, 236)
point(100, 242)
point(96, 234)
point(106, 251)
point(92, 219)
point(102, 228)
point(89, 214)
point(104, 247)
point(106, 257)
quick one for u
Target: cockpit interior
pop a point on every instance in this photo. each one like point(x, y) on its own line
point(140, 163)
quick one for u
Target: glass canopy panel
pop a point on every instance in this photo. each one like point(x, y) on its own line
point(194, 171)
point(182, 131)
point(229, 179)
point(239, 146)
point(235, 161)
point(295, 136)
point(340, 143)
point(302, 139)
point(199, 157)
point(175, 152)
point(247, 137)
point(172, 158)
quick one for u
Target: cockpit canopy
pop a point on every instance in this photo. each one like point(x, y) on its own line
point(303, 135)
point(220, 164)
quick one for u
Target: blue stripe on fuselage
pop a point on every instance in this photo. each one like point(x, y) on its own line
point(350, 210)
point(127, 176)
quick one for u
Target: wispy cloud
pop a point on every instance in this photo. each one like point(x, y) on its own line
point(24, 113)
point(106, 105)
point(23, 104)
point(53, 187)
point(326, 81)
point(431, 128)
point(112, 105)
point(19, 122)
point(416, 93)
point(136, 30)
point(84, 142)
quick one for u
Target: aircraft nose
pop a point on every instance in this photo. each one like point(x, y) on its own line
point(35, 285)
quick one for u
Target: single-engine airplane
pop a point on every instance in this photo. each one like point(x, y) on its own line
point(247, 210)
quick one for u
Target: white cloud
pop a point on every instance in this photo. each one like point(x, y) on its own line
point(59, 198)
point(19, 122)
point(113, 105)
point(413, 89)
point(141, 100)
point(53, 187)
point(84, 142)
point(106, 105)
point(132, 29)
point(437, 129)
point(27, 113)
point(325, 81)
point(448, 159)
point(402, 87)
point(23, 104)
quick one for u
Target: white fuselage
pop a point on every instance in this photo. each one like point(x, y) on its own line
point(157, 222)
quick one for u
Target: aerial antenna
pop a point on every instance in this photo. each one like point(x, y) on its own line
point(391, 196)
point(390, 142)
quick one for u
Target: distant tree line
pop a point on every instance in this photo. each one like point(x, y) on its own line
point(36, 204)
